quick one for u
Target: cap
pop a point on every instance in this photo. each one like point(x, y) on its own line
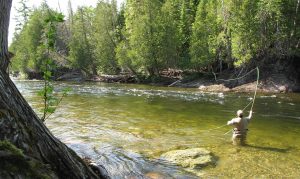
point(239, 113)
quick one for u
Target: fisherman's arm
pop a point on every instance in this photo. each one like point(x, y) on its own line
point(232, 122)
point(250, 116)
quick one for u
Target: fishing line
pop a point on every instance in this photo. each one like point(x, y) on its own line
point(217, 127)
point(228, 132)
point(251, 102)
point(232, 79)
point(257, 80)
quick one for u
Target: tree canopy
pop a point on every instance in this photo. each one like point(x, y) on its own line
point(148, 36)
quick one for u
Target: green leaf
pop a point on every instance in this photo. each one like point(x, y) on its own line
point(59, 17)
point(41, 92)
point(47, 74)
point(49, 89)
point(50, 110)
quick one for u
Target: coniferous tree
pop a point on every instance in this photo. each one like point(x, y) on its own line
point(148, 36)
point(143, 34)
point(22, 17)
point(29, 43)
point(81, 49)
point(105, 36)
point(206, 29)
point(170, 41)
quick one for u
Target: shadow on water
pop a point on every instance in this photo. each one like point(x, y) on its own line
point(270, 149)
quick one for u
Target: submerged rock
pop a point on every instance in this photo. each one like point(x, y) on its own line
point(155, 175)
point(194, 158)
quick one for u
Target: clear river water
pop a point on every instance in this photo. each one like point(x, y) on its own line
point(127, 127)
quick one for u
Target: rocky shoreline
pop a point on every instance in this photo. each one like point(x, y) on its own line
point(266, 85)
point(270, 83)
point(276, 83)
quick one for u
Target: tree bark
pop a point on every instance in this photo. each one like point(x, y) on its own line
point(20, 125)
point(5, 6)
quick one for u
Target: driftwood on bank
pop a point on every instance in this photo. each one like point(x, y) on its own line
point(114, 78)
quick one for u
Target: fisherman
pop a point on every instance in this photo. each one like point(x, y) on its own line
point(240, 128)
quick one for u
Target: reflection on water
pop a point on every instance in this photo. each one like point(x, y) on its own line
point(127, 127)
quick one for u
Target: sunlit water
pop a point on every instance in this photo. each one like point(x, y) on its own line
point(127, 127)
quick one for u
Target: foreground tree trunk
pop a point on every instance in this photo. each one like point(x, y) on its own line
point(20, 128)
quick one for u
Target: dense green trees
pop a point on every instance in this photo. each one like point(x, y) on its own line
point(28, 44)
point(81, 53)
point(147, 36)
point(206, 34)
point(143, 33)
point(105, 39)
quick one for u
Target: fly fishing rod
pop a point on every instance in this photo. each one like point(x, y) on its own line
point(251, 102)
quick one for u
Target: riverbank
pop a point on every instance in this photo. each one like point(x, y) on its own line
point(268, 82)
point(276, 83)
point(273, 78)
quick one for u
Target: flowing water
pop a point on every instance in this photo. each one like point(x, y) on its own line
point(127, 127)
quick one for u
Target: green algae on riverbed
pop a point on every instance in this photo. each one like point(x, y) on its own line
point(153, 120)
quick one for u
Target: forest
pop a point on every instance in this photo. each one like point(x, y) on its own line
point(144, 37)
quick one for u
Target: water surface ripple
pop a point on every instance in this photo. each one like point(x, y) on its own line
point(127, 127)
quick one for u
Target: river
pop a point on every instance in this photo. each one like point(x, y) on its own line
point(127, 127)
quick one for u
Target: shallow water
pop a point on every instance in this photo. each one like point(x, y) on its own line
point(127, 127)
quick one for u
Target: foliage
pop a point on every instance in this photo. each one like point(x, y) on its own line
point(22, 16)
point(81, 53)
point(105, 34)
point(50, 100)
point(35, 49)
point(206, 30)
point(146, 36)
point(170, 41)
point(27, 45)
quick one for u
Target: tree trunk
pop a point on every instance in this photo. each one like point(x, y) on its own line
point(21, 127)
point(5, 6)
point(296, 25)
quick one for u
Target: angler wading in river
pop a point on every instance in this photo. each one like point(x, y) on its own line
point(240, 128)
point(241, 123)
